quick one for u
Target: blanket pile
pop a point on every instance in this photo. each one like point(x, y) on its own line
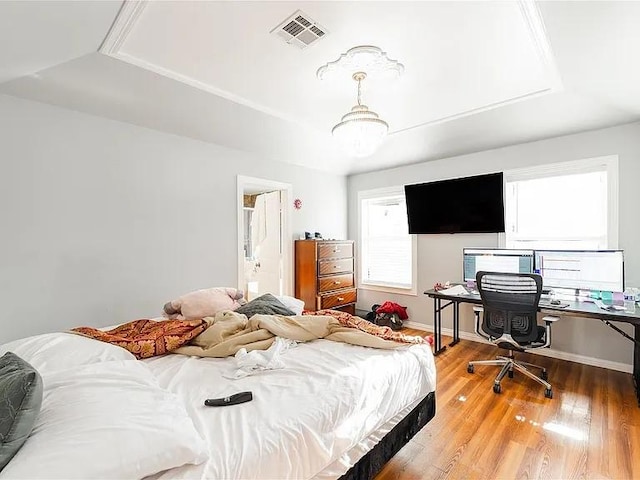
point(228, 331)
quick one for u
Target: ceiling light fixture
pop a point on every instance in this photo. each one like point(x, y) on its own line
point(361, 131)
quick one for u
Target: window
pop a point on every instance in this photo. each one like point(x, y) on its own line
point(387, 251)
point(564, 206)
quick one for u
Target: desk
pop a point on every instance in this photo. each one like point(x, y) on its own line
point(574, 309)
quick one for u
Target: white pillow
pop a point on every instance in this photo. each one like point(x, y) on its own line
point(110, 421)
point(292, 303)
point(58, 351)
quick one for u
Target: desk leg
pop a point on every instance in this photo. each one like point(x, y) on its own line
point(636, 352)
point(456, 323)
point(636, 362)
point(437, 327)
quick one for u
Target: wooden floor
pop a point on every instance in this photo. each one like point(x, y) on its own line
point(589, 430)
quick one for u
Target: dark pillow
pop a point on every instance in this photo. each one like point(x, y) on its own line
point(266, 304)
point(20, 401)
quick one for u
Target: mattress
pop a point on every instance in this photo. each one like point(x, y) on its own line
point(313, 418)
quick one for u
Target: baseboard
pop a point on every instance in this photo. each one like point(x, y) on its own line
point(545, 352)
point(417, 326)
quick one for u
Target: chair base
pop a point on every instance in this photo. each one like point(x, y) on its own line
point(509, 364)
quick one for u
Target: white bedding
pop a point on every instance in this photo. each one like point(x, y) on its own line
point(303, 418)
point(106, 420)
point(313, 418)
point(51, 352)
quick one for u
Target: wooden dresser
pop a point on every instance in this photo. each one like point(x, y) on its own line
point(324, 276)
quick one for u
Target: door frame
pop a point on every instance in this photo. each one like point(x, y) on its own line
point(286, 189)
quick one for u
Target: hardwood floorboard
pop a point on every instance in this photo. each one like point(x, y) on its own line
point(590, 429)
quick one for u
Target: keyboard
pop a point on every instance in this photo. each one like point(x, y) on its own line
point(547, 303)
point(471, 294)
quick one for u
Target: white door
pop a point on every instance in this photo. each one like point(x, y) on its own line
point(264, 270)
point(273, 271)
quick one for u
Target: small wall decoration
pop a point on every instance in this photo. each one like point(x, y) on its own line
point(297, 204)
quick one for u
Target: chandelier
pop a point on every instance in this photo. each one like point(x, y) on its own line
point(361, 131)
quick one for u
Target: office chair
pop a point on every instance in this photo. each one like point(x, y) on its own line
point(509, 321)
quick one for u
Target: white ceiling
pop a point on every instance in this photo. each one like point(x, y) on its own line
point(478, 75)
point(38, 35)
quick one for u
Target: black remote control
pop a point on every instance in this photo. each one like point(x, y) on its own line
point(234, 399)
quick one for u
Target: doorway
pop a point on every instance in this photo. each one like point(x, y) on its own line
point(265, 246)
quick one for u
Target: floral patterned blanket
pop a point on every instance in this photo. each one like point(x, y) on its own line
point(148, 338)
point(348, 320)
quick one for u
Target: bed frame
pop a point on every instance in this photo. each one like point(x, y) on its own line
point(373, 461)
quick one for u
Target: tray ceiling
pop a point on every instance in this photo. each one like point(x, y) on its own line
point(460, 57)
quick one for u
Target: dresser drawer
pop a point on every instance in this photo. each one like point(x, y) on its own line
point(335, 250)
point(329, 267)
point(335, 282)
point(337, 299)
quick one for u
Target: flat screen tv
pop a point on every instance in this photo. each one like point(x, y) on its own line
point(460, 205)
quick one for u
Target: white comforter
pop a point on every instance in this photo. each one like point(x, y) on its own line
point(107, 415)
point(304, 417)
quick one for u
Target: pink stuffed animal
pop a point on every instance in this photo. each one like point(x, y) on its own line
point(204, 303)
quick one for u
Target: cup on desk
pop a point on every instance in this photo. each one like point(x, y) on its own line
point(629, 301)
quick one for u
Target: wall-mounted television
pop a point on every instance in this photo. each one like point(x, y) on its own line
point(460, 205)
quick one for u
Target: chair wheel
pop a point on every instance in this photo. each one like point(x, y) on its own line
point(548, 393)
point(496, 388)
point(470, 368)
point(544, 375)
point(510, 373)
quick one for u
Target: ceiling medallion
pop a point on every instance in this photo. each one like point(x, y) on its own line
point(361, 131)
point(365, 58)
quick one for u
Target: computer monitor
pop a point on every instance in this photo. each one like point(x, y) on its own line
point(581, 269)
point(495, 260)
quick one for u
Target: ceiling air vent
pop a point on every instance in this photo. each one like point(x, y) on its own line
point(299, 30)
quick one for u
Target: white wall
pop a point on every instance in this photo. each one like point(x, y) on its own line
point(440, 256)
point(103, 222)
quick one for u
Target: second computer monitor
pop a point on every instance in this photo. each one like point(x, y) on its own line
point(581, 269)
point(495, 260)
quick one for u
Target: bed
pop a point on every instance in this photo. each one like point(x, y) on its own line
point(334, 410)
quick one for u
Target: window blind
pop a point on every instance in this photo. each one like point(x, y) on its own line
point(386, 243)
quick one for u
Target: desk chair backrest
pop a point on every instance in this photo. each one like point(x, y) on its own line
point(510, 302)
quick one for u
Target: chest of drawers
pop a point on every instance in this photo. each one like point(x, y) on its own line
point(324, 274)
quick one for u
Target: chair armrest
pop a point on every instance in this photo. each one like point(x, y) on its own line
point(548, 320)
point(477, 311)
